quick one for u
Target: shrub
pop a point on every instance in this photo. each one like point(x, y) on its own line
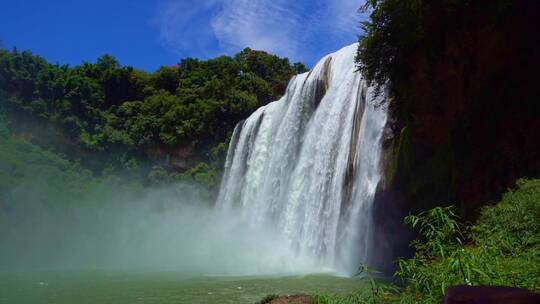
point(502, 248)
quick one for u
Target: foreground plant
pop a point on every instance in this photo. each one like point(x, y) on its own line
point(501, 249)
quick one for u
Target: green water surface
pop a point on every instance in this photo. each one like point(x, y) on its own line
point(165, 287)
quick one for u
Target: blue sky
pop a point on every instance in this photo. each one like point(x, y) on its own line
point(147, 34)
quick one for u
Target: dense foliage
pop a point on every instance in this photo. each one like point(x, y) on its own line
point(393, 30)
point(501, 248)
point(127, 115)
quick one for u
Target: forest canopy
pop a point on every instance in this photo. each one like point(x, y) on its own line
point(123, 113)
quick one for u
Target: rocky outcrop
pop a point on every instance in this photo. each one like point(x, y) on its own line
point(178, 158)
point(389, 206)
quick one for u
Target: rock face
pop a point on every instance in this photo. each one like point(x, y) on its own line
point(179, 158)
point(473, 127)
point(471, 124)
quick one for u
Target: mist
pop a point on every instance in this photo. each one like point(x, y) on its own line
point(167, 228)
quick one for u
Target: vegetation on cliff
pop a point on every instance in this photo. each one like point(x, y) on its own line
point(114, 117)
point(54, 179)
point(465, 108)
point(501, 248)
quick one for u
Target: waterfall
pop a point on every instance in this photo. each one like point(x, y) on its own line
point(308, 164)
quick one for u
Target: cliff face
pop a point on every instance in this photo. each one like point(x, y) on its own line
point(472, 126)
point(180, 158)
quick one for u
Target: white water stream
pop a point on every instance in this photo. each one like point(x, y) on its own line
point(307, 165)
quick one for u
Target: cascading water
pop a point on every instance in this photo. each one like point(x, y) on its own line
point(308, 164)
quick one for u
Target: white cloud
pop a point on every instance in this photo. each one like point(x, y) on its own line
point(259, 24)
point(184, 27)
point(301, 29)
